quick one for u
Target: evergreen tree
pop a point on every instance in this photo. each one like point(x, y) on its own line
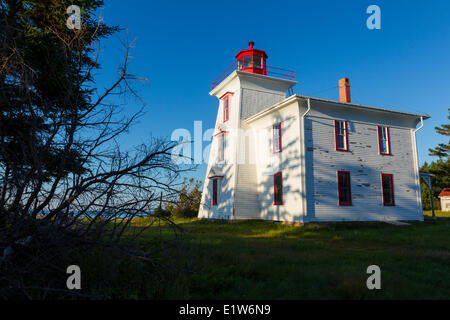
point(442, 150)
point(46, 74)
point(440, 169)
point(63, 177)
point(188, 203)
point(441, 180)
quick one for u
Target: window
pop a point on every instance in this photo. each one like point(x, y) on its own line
point(341, 129)
point(278, 189)
point(384, 140)
point(344, 188)
point(387, 181)
point(225, 100)
point(250, 62)
point(226, 109)
point(221, 147)
point(240, 63)
point(214, 193)
point(277, 147)
point(257, 62)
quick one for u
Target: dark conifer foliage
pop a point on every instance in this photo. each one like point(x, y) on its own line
point(68, 191)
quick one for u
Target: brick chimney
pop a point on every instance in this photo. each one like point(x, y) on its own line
point(344, 90)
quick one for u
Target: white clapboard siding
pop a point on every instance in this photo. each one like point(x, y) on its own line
point(246, 198)
point(254, 101)
point(365, 165)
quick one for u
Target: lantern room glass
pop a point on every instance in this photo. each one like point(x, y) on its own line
point(257, 62)
point(250, 62)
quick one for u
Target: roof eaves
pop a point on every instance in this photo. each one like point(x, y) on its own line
point(360, 106)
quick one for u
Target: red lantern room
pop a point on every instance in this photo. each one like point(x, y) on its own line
point(252, 60)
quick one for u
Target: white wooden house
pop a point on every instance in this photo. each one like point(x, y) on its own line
point(305, 159)
point(445, 199)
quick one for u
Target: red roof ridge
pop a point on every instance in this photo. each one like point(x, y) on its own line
point(445, 193)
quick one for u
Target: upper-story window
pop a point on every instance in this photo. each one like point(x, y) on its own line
point(387, 182)
point(341, 131)
point(277, 142)
point(344, 188)
point(226, 109)
point(384, 140)
point(225, 100)
point(221, 147)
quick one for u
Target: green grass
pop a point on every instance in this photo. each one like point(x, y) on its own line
point(438, 213)
point(263, 260)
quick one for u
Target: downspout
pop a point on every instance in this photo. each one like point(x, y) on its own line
point(421, 126)
point(416, 164)
point(303, 164)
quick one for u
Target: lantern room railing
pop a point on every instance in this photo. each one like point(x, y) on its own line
point(271, 71)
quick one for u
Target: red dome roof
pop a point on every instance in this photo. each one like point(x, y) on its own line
point(251, 51)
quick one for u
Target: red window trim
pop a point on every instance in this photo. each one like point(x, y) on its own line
point(388, 141)
point(226, 94)
point(274, 189)
point(392, 187)
point(226, 99)
point(220, 132)
point(349, 189)
point(215, 201)
point(347, 148)
point(280, 138)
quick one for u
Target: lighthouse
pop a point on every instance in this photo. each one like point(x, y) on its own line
point(301, 159)
point(246, 88)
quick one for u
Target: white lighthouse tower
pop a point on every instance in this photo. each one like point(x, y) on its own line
point(232, 187)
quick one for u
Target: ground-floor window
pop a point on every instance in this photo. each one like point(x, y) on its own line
point(387, 181)
point(344, 188)
point(214, 192)
point(278, 189)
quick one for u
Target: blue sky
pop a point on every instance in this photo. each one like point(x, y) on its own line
point(182, 46)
